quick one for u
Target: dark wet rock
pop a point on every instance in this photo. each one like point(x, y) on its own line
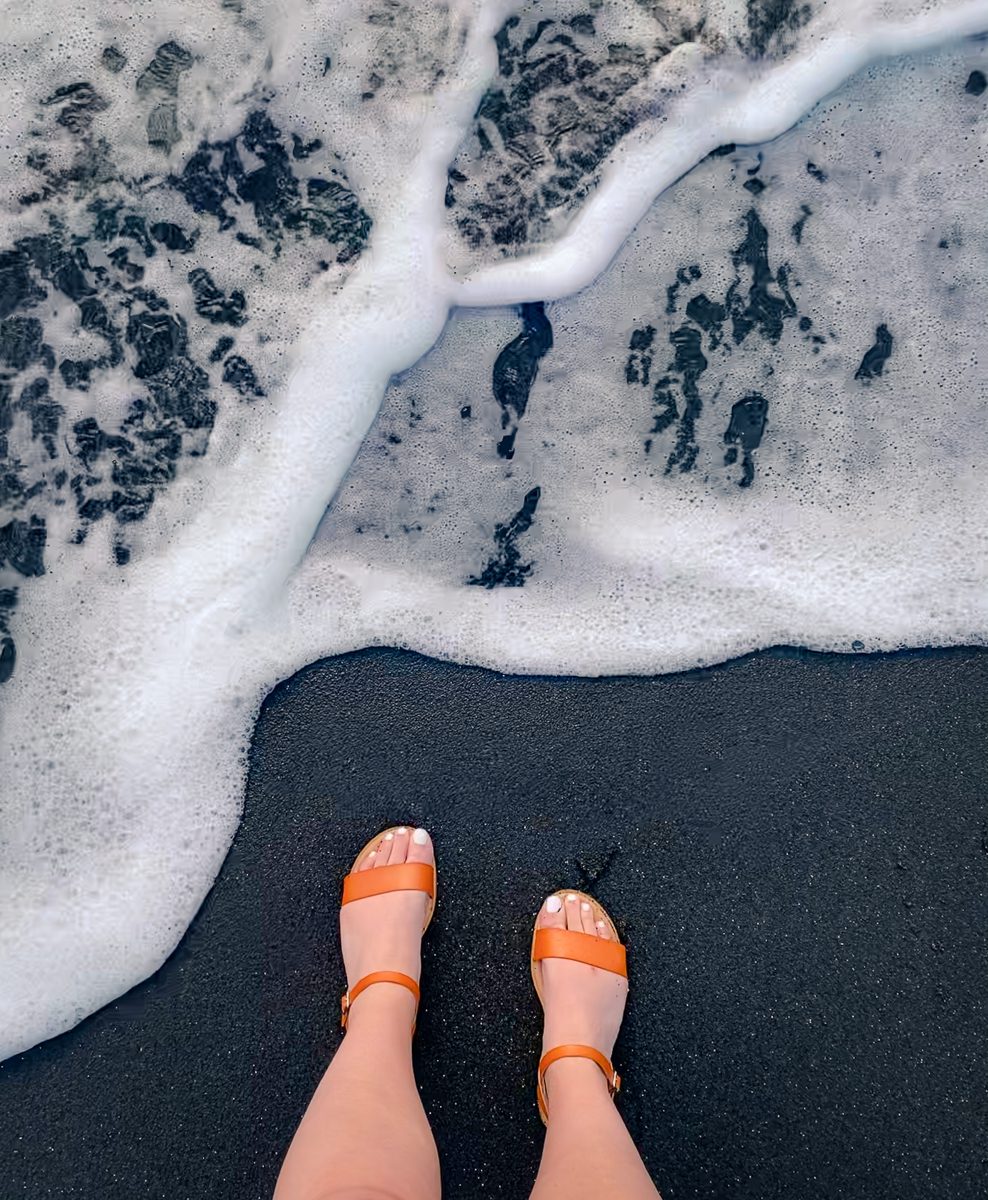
point(334, 213)
point(223, 346)
point(8, 657)
point(204, 183)
point(302, 149)
point(763, 310)
point(797, 229)
point(238, 372)
point(708, 314)
point(78, 104)
point(755, 185)
point(744, 433)
point(106, 218)
point(6, 416)
point(157, 338)
point(91, 441)
point(44, 411)
point(94, 317)
point(774, 24)
point(639, 363)
point(684, 277)
point(582, 23)
point(665, 409)
point(164, 71)
point(758, 306)
point(22, 546)
point(180, 390)
point(453, 176)
point(113, 59)
point(976, 83)
point(77, 372)
point(689, 364)
point(162, 126)
point(505, 568)
point(131, 506)
point(723, 151)
point(146, 296)
point(20, 342)
point(465, 412)
point(61, 263)
point(515, 369)
point(212, 304)
point(876, 356)
point(134, 226)
point(133, 272)
point(174, 237)
point(560, 103)
point(121, 555)
point(17, 288)
point(818, 173)
point(805, 324)
point(91, 163)
point(215, 181)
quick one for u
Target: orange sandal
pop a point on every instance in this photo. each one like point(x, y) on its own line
point(609, 955)
point(402, 877)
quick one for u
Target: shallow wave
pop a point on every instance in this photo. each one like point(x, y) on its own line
point(226, 232)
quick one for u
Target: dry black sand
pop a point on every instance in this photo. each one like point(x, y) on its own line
point(794, 845)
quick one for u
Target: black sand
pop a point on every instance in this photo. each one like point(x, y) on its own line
point(796, 846)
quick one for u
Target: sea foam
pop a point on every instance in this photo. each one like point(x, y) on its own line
point(233, 233)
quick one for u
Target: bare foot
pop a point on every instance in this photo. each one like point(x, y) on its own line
point(384, 933)
point(582, 1004)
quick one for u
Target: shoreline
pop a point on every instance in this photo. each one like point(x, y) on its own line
point(792, 840)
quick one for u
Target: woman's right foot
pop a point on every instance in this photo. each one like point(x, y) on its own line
point(583, 1004)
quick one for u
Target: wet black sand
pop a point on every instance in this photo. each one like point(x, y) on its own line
point(796, 845)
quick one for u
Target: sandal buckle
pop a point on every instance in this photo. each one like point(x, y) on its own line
point(614, 1084)
point(344, 1009)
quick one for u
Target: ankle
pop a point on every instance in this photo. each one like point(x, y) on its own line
point(382, 1006)
point(575, 1080)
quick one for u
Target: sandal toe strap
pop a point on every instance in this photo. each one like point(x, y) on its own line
point(402, 877)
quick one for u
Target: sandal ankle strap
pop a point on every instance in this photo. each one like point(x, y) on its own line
point(576, 1051)
point(351, 994)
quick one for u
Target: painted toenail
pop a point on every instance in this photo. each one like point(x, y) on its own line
point(553, 904)
point(403, 830)
point(601, 925)
point(420, 837)
point(585, 906)
point(389, 837)
point(571, 899)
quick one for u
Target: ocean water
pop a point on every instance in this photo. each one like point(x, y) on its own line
point(576, 338)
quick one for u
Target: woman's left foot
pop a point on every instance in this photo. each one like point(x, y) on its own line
point(384, 933)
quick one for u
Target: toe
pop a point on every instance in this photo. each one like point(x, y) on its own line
point(571, 906)
point(399, 847)
point(587, 917)
point(551, 915)
point(602, 931)
point(373, 855)
point(420, 847)
point(384, 854)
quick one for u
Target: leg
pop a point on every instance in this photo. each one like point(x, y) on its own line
point(367, 1102)
point(588, 1153)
